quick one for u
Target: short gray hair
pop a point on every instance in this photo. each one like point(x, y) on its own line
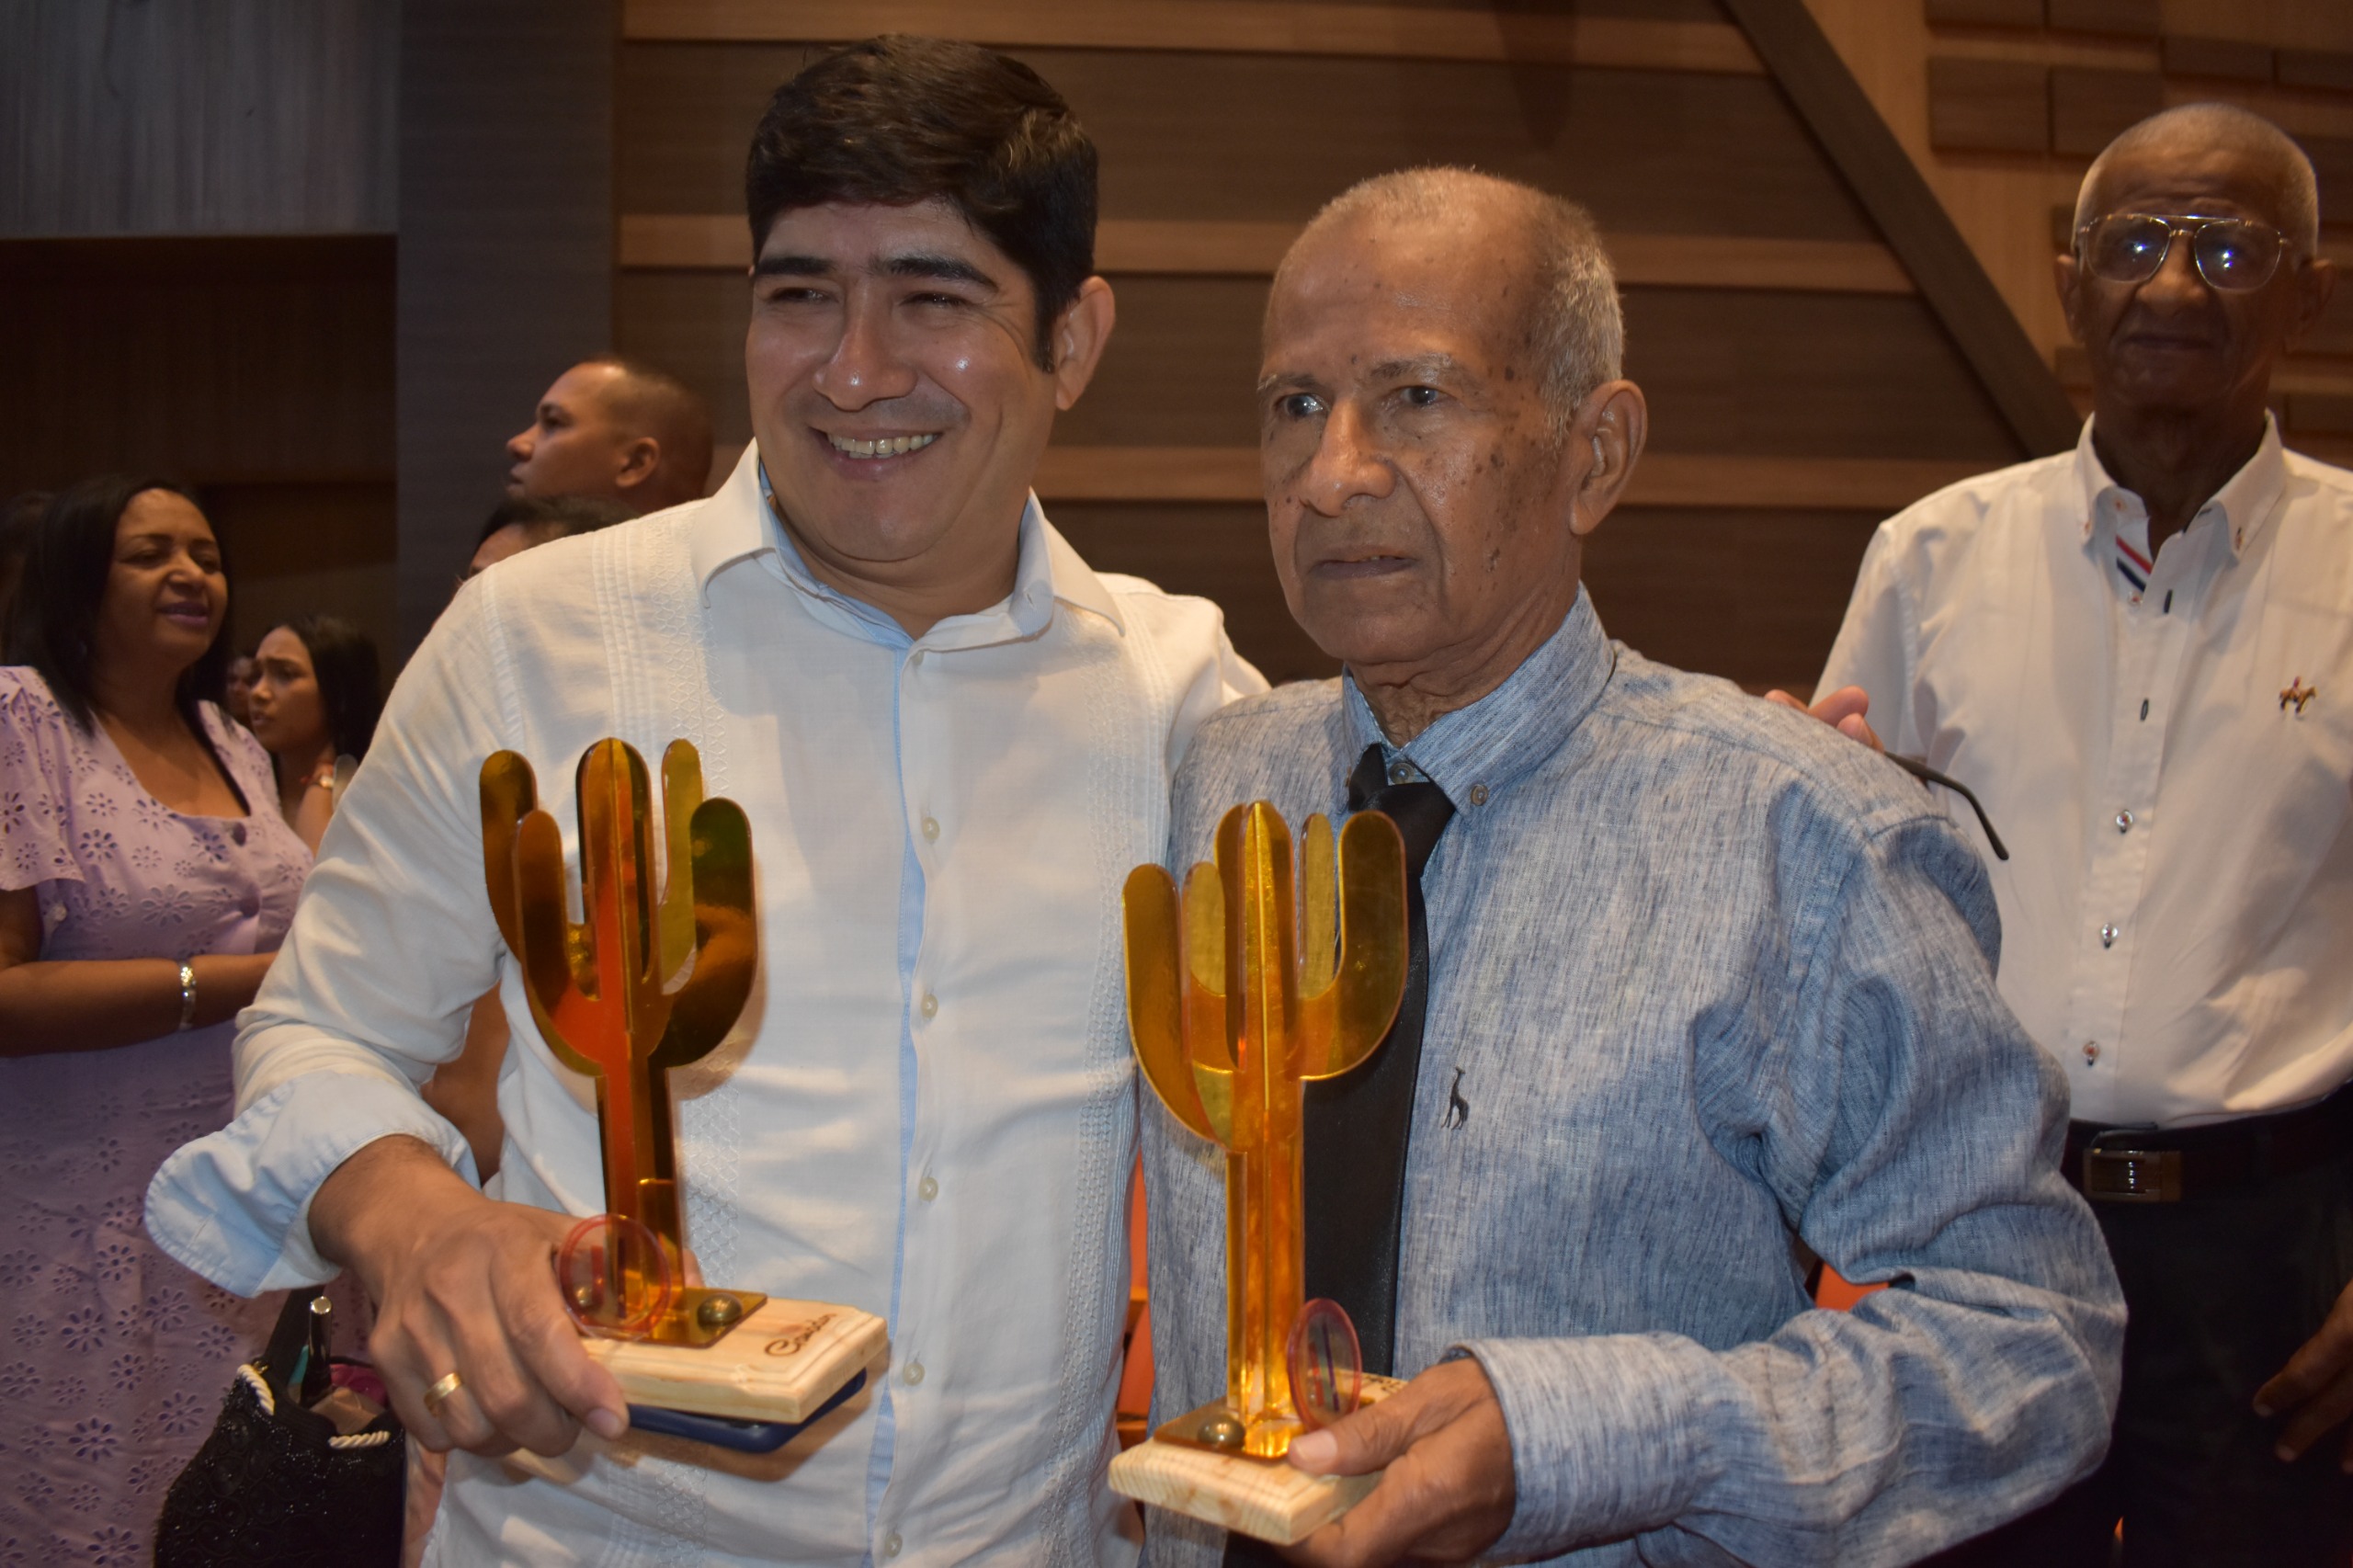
point(2240, 131)
point(1577, 330)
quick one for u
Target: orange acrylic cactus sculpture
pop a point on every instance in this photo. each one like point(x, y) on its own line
point(1235, 998)
point(649, 980)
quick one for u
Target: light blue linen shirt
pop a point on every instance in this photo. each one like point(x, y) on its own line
point(1707, 981)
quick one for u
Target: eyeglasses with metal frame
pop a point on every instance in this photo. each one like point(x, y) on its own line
point(2234, 254)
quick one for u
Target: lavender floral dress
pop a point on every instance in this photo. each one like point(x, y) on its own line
point(115, 1358)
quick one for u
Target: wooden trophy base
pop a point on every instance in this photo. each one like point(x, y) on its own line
point(781, 1364)
point(1266, 1499)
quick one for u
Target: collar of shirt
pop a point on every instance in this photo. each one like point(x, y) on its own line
point(2242, 505)
point(1476, 753)
point(746, 527)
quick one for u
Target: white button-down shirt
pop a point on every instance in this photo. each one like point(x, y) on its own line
point(926, 1109)
point(2164, 743)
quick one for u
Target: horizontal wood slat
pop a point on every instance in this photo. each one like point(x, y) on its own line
point(1662, 479)
point(1210, 248)
point(1251, 26)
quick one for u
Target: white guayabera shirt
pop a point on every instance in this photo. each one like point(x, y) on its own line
point(926, 1109)
point(2164, 745)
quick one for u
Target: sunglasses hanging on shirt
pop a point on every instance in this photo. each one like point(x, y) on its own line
point(1926, 775)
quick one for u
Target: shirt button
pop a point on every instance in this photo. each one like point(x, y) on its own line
point(913, 1374)
point(1399, 773)
point(2091, 1052)
point(2125, 822)
point(1478, 794)
point(249, 905)
point(926, 1190)
point(930, 1006)
point(2107, 936)
point(915, 662)
point(237, 832)
point(891, 1544)
point(931, 829)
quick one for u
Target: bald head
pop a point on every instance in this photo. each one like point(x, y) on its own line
point(1573, 329)
point(619, 429)
point(2274, 167)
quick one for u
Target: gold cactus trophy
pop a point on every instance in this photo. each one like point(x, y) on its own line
point(1234, 1001)
point(648, 982)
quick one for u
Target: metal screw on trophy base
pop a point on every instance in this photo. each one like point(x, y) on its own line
point(719, 1312)
point(1222, 1432)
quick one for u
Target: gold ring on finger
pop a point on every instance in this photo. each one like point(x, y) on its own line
point(442, 1388)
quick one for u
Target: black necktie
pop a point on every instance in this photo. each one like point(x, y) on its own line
point(1359, 1125)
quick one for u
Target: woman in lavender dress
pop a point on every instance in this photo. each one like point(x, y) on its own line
point(146, 877)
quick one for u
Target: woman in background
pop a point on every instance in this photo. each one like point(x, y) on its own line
point(145, 879)
point(315, 698)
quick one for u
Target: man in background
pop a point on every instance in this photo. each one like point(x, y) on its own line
point(524, 522)
point(616, 428)
point(2140, 657)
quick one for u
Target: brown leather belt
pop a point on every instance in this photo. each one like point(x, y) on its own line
point(2126, 1164)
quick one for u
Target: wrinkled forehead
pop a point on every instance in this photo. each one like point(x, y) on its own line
point(1376, 288)
point(2180, 177)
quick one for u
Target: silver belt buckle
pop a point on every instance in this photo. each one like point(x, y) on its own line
point(2132, 1175)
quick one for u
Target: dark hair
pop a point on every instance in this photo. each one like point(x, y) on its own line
point(64, 582)
point(553, 516)
point(896, 120)
point(344, 660)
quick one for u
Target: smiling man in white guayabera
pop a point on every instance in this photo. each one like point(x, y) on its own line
point(952, 740)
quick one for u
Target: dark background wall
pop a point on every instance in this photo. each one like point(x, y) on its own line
point(196, 207)
point(506, 252)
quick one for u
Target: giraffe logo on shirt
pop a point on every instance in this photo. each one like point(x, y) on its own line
point(1458, 1110)
point(2297, 693)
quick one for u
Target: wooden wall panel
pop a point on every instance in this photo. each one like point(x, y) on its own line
point(297, 548)
point(691, 324)
point(257, 371)
point(211, 359)
point(1985, 13)
point(1806, 375)
point(224, 117)
point(1217, 552)
point(1754, 596)
point(2132, 18)
point(1989, 105)
point(2091, 107)
point(2229, 58)
point(2327, 70)
point(506, 252)
point(1189, 135)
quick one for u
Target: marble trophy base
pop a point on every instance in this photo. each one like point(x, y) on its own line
point(781, 1364)
point(1266, 1499)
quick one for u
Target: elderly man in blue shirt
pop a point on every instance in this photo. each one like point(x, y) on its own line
point(1698, 986)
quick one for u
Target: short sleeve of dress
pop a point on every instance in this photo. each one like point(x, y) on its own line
point(34, 783)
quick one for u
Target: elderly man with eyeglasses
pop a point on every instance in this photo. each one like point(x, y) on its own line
point(2140, 654)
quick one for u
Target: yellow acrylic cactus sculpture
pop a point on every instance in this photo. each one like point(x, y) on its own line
point(1235, 1000)
point(649, 980)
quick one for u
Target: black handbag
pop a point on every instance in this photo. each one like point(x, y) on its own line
point(291, 1477)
